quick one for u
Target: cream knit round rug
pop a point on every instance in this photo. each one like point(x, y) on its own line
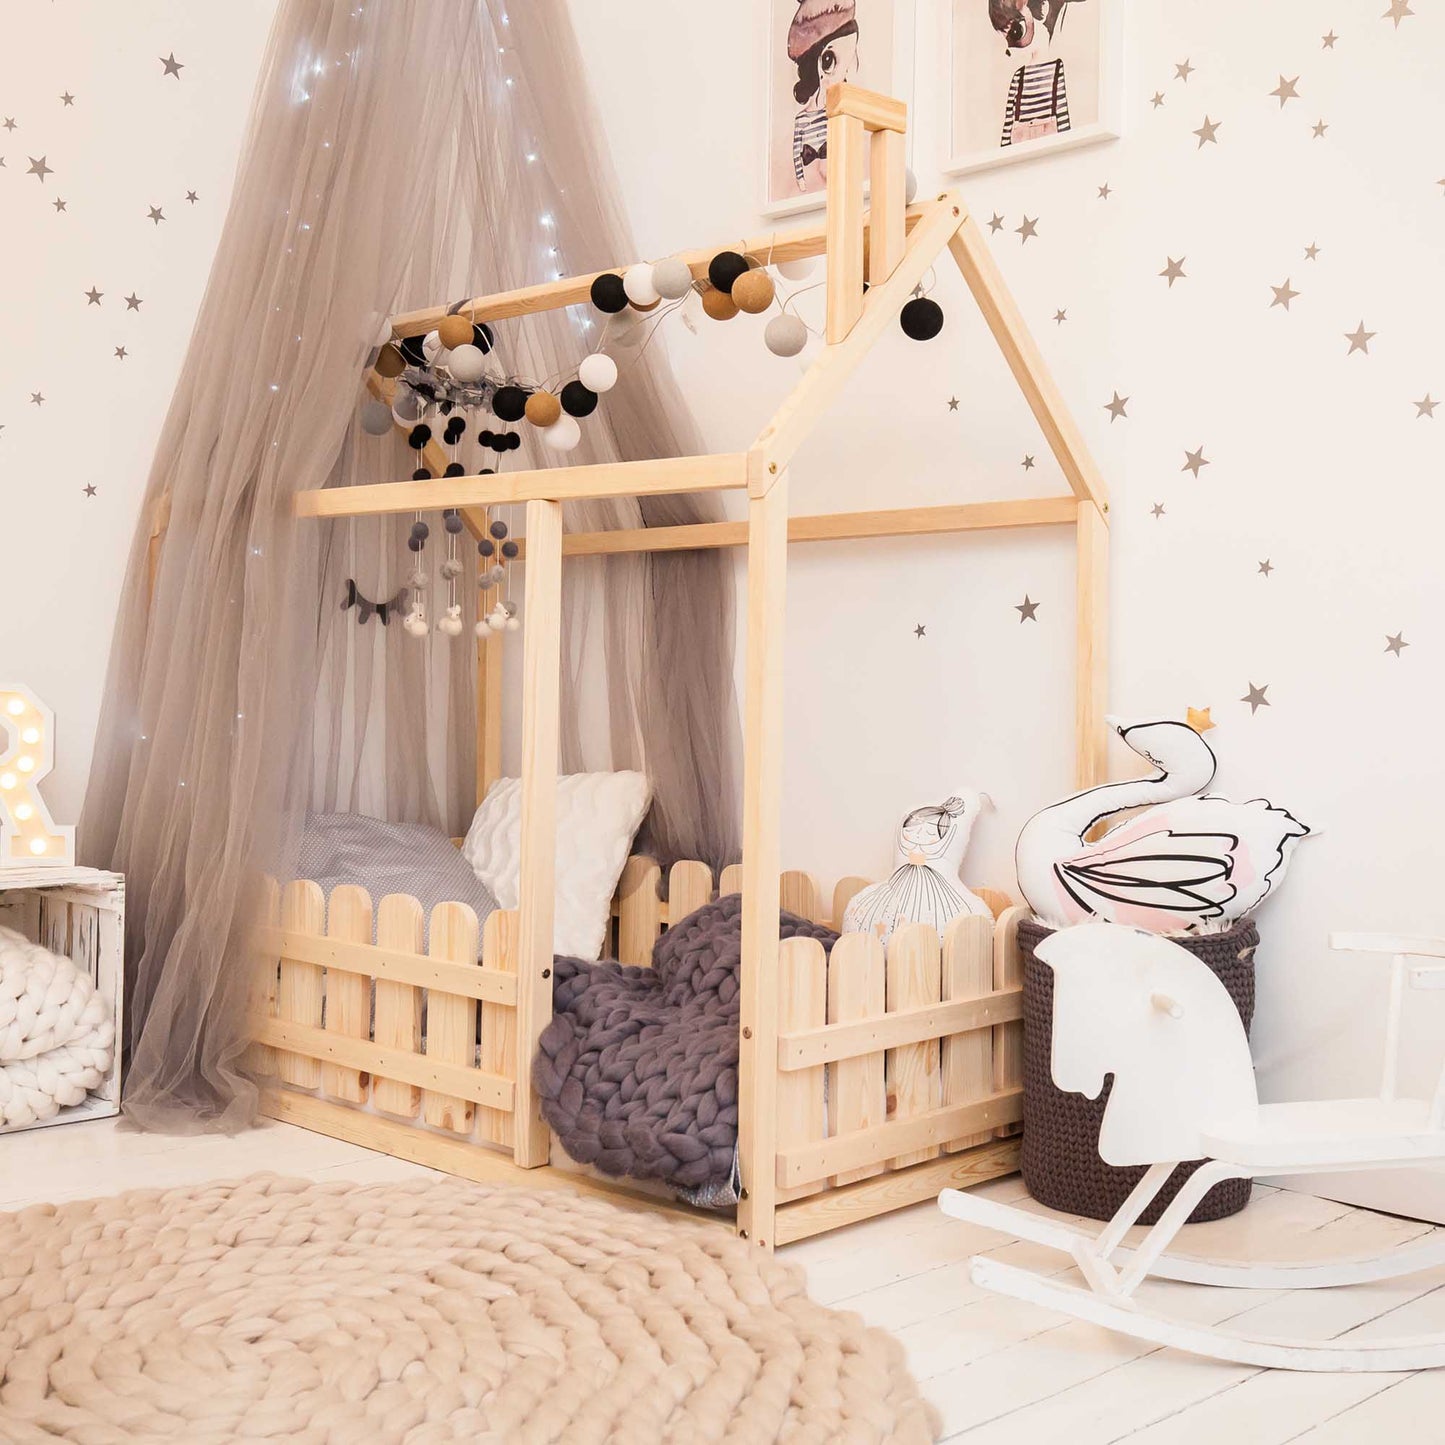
point(283, 1310)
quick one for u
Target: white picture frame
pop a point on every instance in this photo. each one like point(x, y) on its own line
point(1083, 52)
point(885, 65)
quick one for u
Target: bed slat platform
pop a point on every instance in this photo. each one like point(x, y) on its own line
point(926, 1107)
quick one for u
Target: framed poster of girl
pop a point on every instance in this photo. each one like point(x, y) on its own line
point(814, 44)
point(1032, 76)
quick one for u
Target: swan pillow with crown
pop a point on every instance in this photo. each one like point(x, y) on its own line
point(1188, 862)
point(924, 886)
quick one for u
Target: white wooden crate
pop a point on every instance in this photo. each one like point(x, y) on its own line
point(79, 912)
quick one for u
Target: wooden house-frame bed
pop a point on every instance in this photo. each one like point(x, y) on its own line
point(868, 1079)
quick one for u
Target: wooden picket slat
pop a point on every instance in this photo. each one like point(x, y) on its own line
point(499, 1022)
point(451, 1020)
point(843, 894)
point(261, 1058)
point(299, 987)
point(798, 893)
point(1008, 972)
point(802, 1004)
point(731, 880)
point(689, 886)
point(857, 1095)
point(348, 995)
point(914, 974)
point(967, 1057)
point(997, 900)
point(639, 910)
point(399, 925)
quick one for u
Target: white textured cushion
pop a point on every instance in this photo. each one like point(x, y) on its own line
point(597, 816)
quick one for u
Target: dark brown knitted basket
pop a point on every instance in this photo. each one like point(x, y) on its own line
point(1060, 1156)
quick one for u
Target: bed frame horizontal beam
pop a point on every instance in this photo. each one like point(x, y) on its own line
point(832, 527)
point(658, 477)
point(875, 110)
point(797, 245)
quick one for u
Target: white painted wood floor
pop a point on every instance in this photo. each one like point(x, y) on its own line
point(997, 1369)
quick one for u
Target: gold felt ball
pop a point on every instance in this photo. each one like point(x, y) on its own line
point(390, 361)
point(543, 408)
point(651, 305)
point(753, 291)
point(454, 331)
point(718, 304)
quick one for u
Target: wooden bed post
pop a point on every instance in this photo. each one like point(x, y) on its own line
point(541, 703)
point(762, 862)
point(1091, 682)
point(489, 711)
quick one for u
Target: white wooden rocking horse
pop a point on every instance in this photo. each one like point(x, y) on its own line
point(1137, 1006)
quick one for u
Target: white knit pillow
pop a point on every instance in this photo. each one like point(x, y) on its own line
point(597, 816)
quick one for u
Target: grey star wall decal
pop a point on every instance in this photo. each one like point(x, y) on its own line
point(58, 204)
point(1194, 460)
point(9, 122)
point(1398, 10)
point(92, 297)
point(90, 490)
point(1184, 70)
point(1395, 643)
point(1359, 340)
point(39, 168)
point(995, 223)
point(1206, 133)
point(67, 99)
point(1311, 251)
point(121, 352)
point(133, 302)
point(1286, 90)
point(1265, 567)
point(1029, 229)
point(1425, 406)
point(1283, 295)
point(1116, 407)
point(1060, 317)
point(1157, 510)
point(1105, 191)
point(1157, 99)
point(1173, 270)
point(1256, 698)
point(171, 64)
point(1327, 41)
point(1027, 464)
point(155, 214)
point(953, 403)
point(36, 399)
point(1318, 129)
point(192, 197)
point(1027, 609)
point(920, 630)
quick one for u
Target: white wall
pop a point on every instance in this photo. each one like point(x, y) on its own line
point(1317, 461)
point(134, 137)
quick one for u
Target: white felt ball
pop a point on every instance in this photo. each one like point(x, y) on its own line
point(496, 619)
point(563, 434)
point(466, 363)
point(431, 346)
point(785, 335)
point(376, 418)
point(598, 372)
point(637, 282)
point(798, 270)
point(910, 185)
point(407, 406)
point(672, 278)
point(513, 624)
point(483, 627)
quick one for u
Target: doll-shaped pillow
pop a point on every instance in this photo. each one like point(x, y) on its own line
point(924, 887)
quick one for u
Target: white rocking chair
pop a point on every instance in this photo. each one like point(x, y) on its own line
point(1140, 1007)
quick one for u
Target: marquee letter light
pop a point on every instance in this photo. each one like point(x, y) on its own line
point(28, 836)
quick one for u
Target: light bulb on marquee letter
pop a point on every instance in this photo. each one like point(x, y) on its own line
point(28, 836)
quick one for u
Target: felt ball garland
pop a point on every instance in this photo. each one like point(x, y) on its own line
point(718, 304)
point(921, 319)
point(597, 372)
point(413, 349)
point(577, 399)
point(509, 403)
point(390, 362)
point(753, 291)
point(454, 331)
point(725, 268)
point(608, 293)
point(672, 278)
point(375, 418)
point(542, 408)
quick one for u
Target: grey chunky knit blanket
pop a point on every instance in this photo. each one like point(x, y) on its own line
point(638, 1069)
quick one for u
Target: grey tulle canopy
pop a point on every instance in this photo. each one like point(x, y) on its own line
point(398, 155)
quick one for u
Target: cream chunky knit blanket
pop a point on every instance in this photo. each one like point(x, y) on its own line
point(57, 1036)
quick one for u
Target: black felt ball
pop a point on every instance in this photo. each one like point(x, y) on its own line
point(725, 268)
point(455, 469)
point(498, 529)
point(578, 400)
point(482, 338)
point(921, 319)
point(502, 442)
point(485, 437)
point(510, 549)
point(420, 531)
point(419, 436)
point(414, 543)
point(510, 402)
point(487, 472)
point(486, 547)
point(514, 440)
point(608, 293)
point(411, 348)
point(421, 474)
point(456, 430)
point(454, 524)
